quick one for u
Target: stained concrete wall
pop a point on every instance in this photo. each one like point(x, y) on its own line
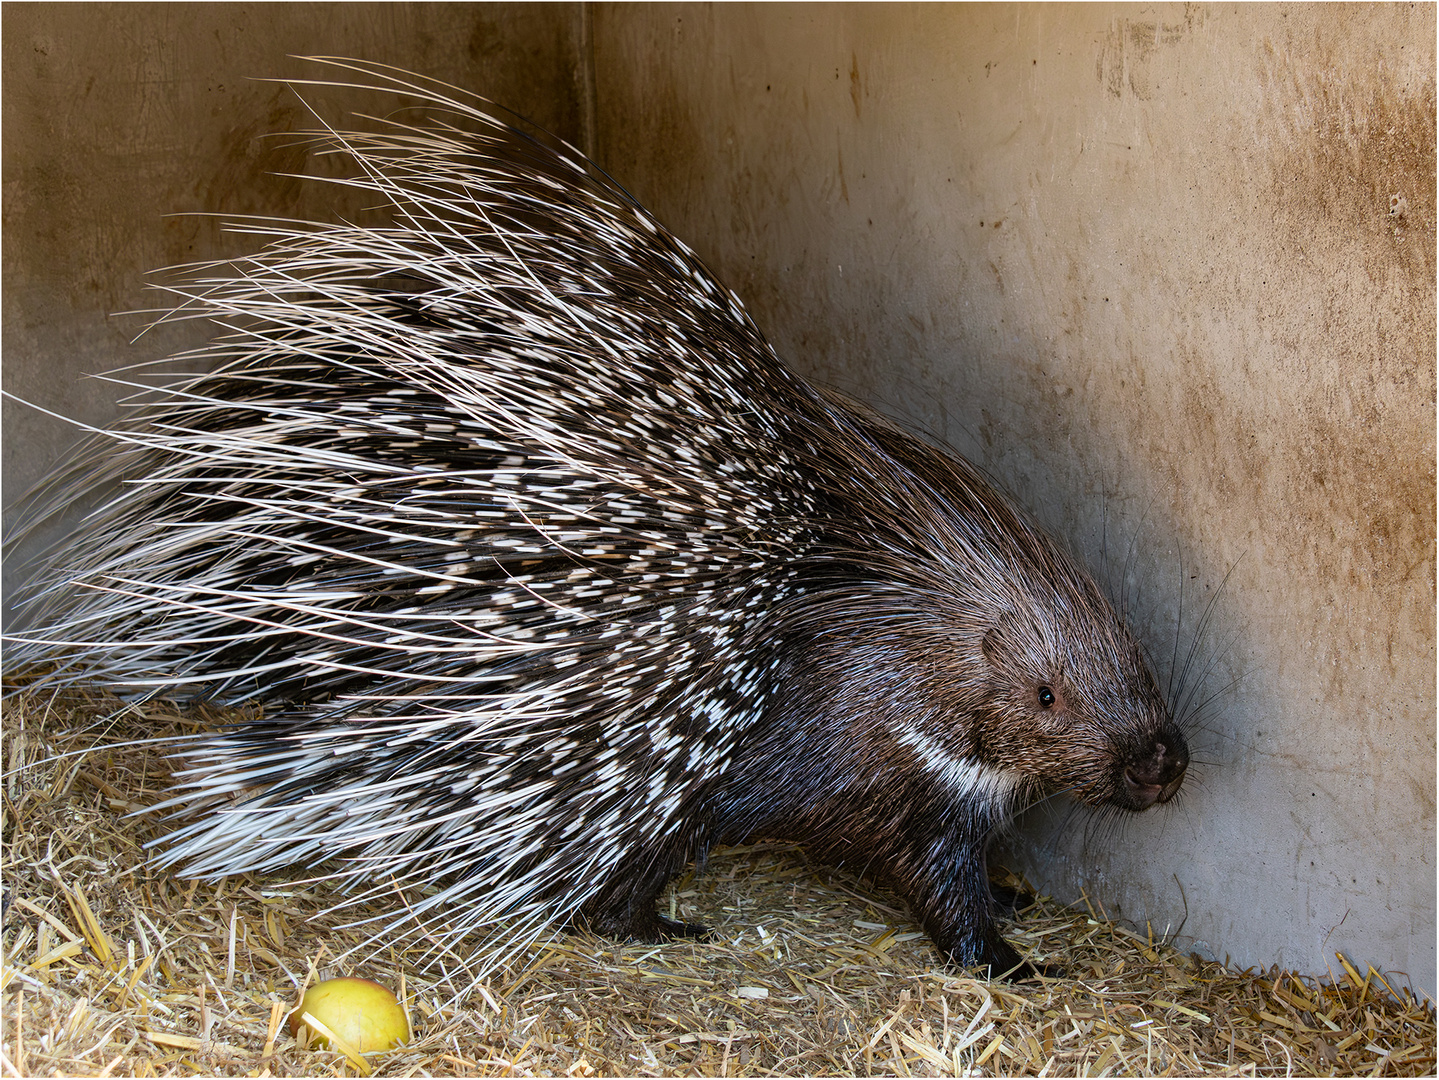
point(1144, 264)
point(124, 124)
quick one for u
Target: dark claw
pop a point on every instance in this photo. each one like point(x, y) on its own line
point(650, 926)
point(1004, 962)
point(669, 929)
point(1010, 900)
point(1031, 972)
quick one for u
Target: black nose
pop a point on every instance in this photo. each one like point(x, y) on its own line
point(1155, 778)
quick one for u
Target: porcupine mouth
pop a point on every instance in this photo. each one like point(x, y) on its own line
point(1142, 796)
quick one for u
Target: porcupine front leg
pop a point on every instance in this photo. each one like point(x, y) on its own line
point(949, 889)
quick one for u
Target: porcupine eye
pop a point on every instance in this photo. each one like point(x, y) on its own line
point(1046, 697)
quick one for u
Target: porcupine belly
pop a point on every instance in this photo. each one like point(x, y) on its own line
point(551, 575)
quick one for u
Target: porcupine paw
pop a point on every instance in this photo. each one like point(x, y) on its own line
point(1006, 962)
point(644, 924)
point(1009, 900)
point(998, 959)
point(669, 929)
point(650, 925)
point(1028, 971)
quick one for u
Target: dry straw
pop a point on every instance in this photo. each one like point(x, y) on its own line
point(113, 970)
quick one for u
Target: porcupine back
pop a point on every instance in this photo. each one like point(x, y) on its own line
point(528, 543)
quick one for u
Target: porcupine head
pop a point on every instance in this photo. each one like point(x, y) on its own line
point(550, 576)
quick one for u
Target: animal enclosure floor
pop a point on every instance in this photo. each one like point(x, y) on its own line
point(115, 969)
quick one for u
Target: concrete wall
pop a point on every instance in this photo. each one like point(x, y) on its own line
point(1141, 263)
point(124, 122)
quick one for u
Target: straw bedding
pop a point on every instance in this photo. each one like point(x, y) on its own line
point(113, 970)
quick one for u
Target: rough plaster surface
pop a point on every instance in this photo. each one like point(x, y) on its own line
point(124, 124)
point(1138, 262)
point(1141, 264)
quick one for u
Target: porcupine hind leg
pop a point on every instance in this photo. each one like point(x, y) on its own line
point(626, 905)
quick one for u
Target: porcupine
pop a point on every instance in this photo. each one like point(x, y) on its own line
point(550, 575)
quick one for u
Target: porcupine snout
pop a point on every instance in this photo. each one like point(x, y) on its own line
point(1154, 775)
